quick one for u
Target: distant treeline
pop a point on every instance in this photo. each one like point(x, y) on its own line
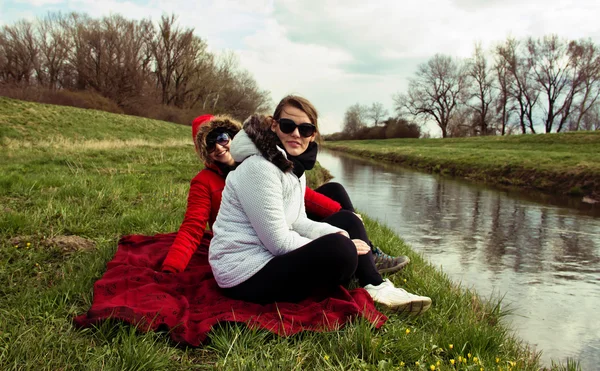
point(386, 129)
point(519, 86)
point(138, 67)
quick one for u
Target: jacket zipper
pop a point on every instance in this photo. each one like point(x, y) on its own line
point(301, 198)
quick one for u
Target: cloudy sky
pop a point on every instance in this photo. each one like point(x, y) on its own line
point(337, 53)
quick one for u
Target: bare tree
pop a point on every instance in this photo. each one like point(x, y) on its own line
point(4, 57)
point(522, 89)
point(480, 90)
point(554, 73)
point(437, 90)
point(585, 56)
point(463, 122)
point(377, 113)
point(354, 119)
point(504, 81)
point(591, 119)
point(76, 71)
point(169, 49)
point(223, 74)
point(20, 53)
point(54, 49)
point(131, 56)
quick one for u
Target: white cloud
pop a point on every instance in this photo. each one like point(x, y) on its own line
point(40, 2)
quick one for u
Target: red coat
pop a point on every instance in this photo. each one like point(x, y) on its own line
point(204, 200)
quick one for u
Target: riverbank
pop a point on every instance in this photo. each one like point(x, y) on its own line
point(85, 178)
point(564, 163)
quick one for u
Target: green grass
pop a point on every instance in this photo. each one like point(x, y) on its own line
point(58, 182)
point(565, 163)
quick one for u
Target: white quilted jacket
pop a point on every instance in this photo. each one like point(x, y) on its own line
point(262, 215)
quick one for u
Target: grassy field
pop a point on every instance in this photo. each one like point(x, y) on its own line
point(85, 178)
point(565, 163)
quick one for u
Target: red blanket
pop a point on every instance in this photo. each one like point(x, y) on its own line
point(190, 303)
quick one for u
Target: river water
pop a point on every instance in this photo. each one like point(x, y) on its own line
point(541, 252)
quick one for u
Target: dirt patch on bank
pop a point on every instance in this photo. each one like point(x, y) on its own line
point(66, 243)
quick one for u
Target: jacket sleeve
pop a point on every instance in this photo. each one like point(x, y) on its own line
point(312, 229)
point(192, 229)
point(319, 204)
point(260, 193)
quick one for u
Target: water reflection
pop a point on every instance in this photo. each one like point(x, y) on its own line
point(543, 256)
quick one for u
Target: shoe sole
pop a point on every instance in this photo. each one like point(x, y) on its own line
point(413, 308)
point(395, 268)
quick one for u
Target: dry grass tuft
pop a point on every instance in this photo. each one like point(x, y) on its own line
point(67, 144)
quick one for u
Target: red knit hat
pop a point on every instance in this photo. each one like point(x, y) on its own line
point(198, 121)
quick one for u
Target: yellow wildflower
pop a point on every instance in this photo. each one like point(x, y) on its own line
point(459, 359)
point(417, 363)
point(497, 360)
point(469, 355)
point(452, 362)
point(464, 360)
point(512, 364)
point(475, 359)
point(451, 346)
point(405, 280)
point(432, 367)
point(407, 331)
point(437, 363)
point(402, 364)
point(28, 244)
point(326, 357)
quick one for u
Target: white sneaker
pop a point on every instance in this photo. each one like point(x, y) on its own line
point(398, 299)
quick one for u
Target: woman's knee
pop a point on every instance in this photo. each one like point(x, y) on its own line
point(338, 193)
point(334, 188)
point(345, 220)
point(341, 250)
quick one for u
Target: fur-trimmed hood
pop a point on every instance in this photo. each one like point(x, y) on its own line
point(220, 121)
point(256, 138)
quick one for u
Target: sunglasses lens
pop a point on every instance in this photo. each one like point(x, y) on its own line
point(306, 130)
point(287, 126)
point(223, 139)
point(212, 141)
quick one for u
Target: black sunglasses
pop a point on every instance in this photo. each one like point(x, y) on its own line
point(288, 126)
point(221, 139)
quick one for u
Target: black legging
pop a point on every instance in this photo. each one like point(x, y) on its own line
point(319, 265)
point(338, 193)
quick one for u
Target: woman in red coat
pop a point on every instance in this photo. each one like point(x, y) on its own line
point(212, 136)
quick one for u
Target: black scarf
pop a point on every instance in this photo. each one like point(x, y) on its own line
point(304, 161)
point(225, 169)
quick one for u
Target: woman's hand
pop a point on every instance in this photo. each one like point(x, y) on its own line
point(361, 247)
